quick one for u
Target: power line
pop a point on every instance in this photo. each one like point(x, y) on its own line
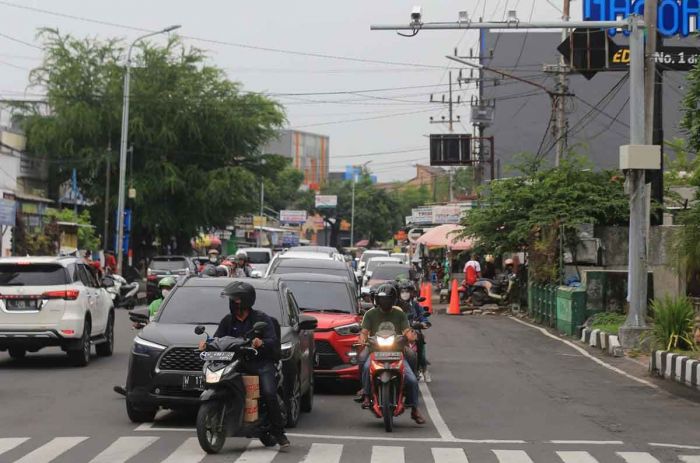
point(16, 40)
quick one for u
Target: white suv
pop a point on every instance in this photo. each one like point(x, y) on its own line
point(54, 301)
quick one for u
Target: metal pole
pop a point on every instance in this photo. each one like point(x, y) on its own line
point(352, 213)
point(513, 25)
point(451, 126)
point(650, 19)
point(637, 287)
point(122, 147)
point(108, 174)
point(563, 85)
point(262, 203)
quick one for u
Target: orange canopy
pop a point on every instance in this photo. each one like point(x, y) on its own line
point(445, 236)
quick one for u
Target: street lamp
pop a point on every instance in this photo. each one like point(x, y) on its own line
point(122, 147)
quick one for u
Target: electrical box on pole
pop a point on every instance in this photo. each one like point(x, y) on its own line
point(450, 149)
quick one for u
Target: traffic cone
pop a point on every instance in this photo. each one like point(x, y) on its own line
point(429, 297)
point(453, 308)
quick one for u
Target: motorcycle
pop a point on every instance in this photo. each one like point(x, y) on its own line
point(496, 291)
point(223, 402)
point(386, 372)
point(123, 294)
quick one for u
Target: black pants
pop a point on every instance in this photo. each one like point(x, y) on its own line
point(266, 371)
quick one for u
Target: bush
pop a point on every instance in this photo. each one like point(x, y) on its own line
point(609, 322)
point(673, 323)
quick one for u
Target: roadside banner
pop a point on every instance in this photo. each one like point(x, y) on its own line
point(422, 215)
point(326, 201)
point(446, 214)
point(259, 221)
point(8, 212)
point(296, 217)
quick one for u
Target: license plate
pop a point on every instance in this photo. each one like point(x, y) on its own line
point(387, 356)
point(217, 356)
point(193, 383)
point(22, 304)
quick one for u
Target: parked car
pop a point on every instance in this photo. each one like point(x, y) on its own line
point(259, 258)
point(333, 301)
point(162, 266)
point(375, 262)
point(165, 366)
point(388, 272)
point(54, 301)
point(326, 266)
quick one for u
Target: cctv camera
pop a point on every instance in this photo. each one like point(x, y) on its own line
point(416, 14)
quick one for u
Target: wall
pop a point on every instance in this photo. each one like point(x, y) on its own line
point(309, 152)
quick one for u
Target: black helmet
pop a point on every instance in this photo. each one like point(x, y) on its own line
point(386, 295)
point(405, 284)
point(210, 271)
point(242, 290)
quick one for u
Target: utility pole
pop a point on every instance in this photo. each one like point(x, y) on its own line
point(108, 174)
point(563, 88)
point(262, 206)
point(352, 213)
point(650, 19)
point(450, 122)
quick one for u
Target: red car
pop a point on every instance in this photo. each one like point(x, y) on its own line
point(333, 302)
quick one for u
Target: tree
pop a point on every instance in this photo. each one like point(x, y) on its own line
point(195, 135)
point(530, 212)
point(409, 197)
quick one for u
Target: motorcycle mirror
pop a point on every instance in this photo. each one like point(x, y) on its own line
point(199, 330)
point(421, 299)
point(259, 327)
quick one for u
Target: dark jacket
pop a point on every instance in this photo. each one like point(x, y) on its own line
point(271, 348)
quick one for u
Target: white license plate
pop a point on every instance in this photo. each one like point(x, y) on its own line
point(21, 304)
point(387, 356)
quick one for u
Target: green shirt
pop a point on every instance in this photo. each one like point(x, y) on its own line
point(377, 320)
point(153, 308)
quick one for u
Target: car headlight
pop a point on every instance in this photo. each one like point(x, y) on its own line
point(346, 330)
point(143, 347)
point(287, 350)
point(385, 342)
point(212, 377)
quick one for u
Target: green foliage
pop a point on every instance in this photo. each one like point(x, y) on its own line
point(408, 197)
point(195, 135)
point(609, 322)
point(673, 323)
point(683, 169)
point(87, 236)
point(511, 210)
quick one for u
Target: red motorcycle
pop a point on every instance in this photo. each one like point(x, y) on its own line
point(386, 372)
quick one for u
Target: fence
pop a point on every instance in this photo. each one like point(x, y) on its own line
point(542, 303)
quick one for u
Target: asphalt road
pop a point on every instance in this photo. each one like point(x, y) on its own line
point(501, 392)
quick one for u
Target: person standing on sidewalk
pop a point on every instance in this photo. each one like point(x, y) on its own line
point(472, 273)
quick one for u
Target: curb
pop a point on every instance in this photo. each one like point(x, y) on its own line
point(608, 343)
point(676, 367)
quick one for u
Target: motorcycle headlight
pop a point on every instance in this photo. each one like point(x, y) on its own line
point(287, 350)
point(346, 330)
point(143, 347)
point(212, 377)
point(386, 342)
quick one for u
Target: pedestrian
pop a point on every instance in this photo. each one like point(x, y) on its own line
point(472, 273)
point(489, 267)
point(110, 261)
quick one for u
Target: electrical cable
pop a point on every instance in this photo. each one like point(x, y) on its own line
point(16, 40)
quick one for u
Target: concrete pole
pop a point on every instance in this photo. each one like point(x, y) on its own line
point(352, 213)
point(108, 170)
point(650, 19)
point(262, 205)
point(563, 88)
point(635, 324)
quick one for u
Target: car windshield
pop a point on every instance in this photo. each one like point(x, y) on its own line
point(168, 264)
point(392, 272)
point(339, 272)
point(258, 257)
point(33, 275)
point(199, 305)
point(374, 263)
point(322, 296)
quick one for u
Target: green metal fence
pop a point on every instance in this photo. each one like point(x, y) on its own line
point(542, 303)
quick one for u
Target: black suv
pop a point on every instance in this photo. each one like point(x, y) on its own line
point(164, 363)
point(163, 266)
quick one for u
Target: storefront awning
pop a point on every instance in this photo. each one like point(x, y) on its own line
point(445, 236)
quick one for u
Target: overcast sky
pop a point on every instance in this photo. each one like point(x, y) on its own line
point(393, 119)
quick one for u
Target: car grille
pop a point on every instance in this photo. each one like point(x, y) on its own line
point(327, 357)
point(181, 359)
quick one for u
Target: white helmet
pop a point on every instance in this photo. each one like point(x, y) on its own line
point(242, 255)
point(508, 262)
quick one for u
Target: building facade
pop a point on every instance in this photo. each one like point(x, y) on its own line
point(309, 153)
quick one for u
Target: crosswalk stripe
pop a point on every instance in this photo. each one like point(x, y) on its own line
point(689, 458)
point(123, 448)
point(188, 452)
point(512, 456)
point(576, 457)
point(383, 454)
point(449, 455)
point(324, 453)
point(51, 450)
point(257, 453)
point(8, 443)
point(637, 457)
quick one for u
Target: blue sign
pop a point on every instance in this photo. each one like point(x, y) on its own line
point(675, 16)
point(127, 221)
point(8, 212)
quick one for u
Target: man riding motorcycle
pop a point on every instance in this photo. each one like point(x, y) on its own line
point(386, 316)
point(243, 268)
point(416, 317)
point(165, 285)
point(237, 324)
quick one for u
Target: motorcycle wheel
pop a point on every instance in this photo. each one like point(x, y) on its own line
point(210, 435)
point(387, 409)
point(479, 298)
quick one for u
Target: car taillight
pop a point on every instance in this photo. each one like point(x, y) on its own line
point(69, 295)
point(152, 278)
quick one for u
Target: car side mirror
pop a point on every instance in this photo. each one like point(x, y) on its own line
point(199, 330)
point(107, 282)
point(256, 274)
point(307, 323)
point(140, 316)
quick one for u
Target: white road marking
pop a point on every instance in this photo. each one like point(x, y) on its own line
point(586, 442)
point(675, 446)
point(188, 452)
point(449, 455)
point(576, 457)
point(124, 448)
point(324, 453)
point(637, 457)
point(8, 443)
point(257, 453)
point(512, 456)
point(689, 458)
point(53, 449)
point(585, 353)
point(383, 454)
point(434, 413)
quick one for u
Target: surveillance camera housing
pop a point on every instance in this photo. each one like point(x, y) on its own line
point(417, 14)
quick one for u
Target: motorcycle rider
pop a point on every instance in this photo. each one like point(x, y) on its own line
point(384, 315)
point(238, 324)
point(472, 273)
point(243, 268)
point(416, 314)
point(165, 285)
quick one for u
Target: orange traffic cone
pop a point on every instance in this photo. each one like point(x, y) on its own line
point(429, 297)
point(453, 308)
